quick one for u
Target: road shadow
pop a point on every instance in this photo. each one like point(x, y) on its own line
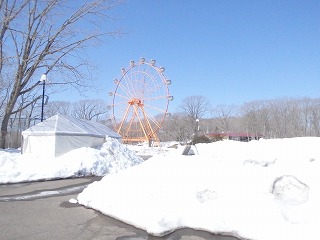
point(139, 234)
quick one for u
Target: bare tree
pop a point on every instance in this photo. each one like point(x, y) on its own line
point(284, 117)
point(41, 36)
point(224, 114)
point(315, 118)
point(58, 107)
point(177, 128)
point(256, 117)
point(90, 109)
point(195, 107)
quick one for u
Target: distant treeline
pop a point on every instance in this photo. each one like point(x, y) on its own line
point(278, 118)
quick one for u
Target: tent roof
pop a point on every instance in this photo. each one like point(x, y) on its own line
point(64, 125)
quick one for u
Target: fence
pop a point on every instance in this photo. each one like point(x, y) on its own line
point(15, 127)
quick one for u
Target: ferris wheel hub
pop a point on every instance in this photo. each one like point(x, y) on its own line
point(135, 101)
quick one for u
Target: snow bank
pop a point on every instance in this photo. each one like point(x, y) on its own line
point(264, 190)
point(111, 157)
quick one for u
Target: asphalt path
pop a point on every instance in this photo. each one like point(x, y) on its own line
point(41, 210)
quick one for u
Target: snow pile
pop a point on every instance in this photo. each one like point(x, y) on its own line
point(144, 149)
point(110, 158)
point(263, 190)
point(290, 190)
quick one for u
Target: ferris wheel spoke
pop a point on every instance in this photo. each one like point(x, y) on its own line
point(120, 100)
point(125, 88)
point(156, 108)
point(153, 90)
point(122, 92)
point(140, 80)
point(153, 77)
point(156, 86)
point(132, 81)
point(157, 98)
point(121, 95)
point(152, 72)
point(149, 88)
point(129, 83)
point(137, 76)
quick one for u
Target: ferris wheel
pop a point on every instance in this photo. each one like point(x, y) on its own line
point(140, 101)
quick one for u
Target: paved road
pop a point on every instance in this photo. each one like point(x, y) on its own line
point(41, 210)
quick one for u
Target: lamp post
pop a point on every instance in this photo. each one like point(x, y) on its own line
point(197, 127)
point(43, 80)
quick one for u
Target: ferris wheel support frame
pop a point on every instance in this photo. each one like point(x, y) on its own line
point(148, 132)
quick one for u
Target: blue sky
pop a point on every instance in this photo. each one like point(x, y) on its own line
point(230, 51)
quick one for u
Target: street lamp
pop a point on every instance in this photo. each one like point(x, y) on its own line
point(197, 127)
point(43, 80)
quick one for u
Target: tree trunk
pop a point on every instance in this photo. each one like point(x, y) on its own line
point(7, 114)
point(4, 130)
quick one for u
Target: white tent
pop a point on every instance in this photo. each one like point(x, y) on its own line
point(60, 134)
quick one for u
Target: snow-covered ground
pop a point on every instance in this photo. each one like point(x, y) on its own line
point(263, 190)
point(109, 158)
